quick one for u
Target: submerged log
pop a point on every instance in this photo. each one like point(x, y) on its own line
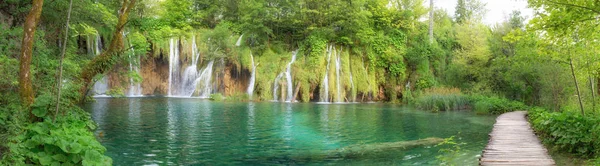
point(360, 151)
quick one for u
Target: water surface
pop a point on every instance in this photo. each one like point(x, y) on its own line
point(179, 131)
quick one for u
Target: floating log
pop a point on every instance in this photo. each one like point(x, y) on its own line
point(352, 151)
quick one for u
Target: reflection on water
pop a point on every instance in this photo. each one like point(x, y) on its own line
point(171, 131)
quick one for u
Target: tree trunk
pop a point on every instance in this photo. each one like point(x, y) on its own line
point(296, 92)
point(62, 56)
point(102, 63)
point(576, 86)
point(593, 93)
point(597, 85)
point(31, 21)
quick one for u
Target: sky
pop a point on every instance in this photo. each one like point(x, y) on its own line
point(497, 10)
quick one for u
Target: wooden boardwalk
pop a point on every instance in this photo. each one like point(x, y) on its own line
point(512, 142)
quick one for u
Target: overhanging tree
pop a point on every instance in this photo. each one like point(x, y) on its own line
point(105, 61)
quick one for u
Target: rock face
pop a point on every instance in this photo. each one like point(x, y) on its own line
point(235, 80)
point(155, 74)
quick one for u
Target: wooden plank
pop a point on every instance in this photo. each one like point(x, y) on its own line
point(513, 142)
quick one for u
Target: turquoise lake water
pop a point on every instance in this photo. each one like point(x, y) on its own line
point(180, 131)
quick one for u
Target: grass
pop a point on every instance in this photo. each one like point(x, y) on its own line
point(494, 105)
point(441, 99)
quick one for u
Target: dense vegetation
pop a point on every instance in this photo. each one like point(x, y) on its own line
point(549, 62)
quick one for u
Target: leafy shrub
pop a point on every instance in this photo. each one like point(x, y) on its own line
point(116, 92)
point(68, 141)
point(494, 105)
point(568, 131)
point(239, 96)
point(216, 97)
point(441, 99)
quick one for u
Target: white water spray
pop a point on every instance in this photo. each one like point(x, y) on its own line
point(288, 76)
point(325, 91)
point(250, 90)
point(276, 86)
point(101, 86)
point(337, 75)
point(173, 63)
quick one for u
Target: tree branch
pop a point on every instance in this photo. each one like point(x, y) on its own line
point(576, 6)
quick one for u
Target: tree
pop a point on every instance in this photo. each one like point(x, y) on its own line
point(31, 22)
point(473, 53)
point(62, 57)
point(566, 24)
point(469, 9)
point(105, 61)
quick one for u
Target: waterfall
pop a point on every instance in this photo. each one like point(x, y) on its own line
point(98, 45)
point(135, 89)
point(288, 76)
point(337, 77)
point(204, 81)
point(191, 82)
point(252, 78)
point(352, 86)
point(239, 41)
point(276, 86)
point(190, 74)
point(101, 86)
point(173, 63)
point(325, 93)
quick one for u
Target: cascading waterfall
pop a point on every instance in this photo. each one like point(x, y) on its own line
point(190, 74)
point(135, 89)
point(325, 93)
point(173, 63)
point(239, 41)
point(204, 81)
point(288, 76)
point(337, 75)
point(338, 98)
point(191, 82)
point(101, 86)
point(252, 77)
point(276, 86)
point(352, 87)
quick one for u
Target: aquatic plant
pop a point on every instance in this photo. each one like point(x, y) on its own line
point(441, 99)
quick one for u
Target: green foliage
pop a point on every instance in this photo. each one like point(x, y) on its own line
point(237, 97)
point(451, 149)
point(116, 92)
point(568, 131)
point(441, 99)
point(216, 97)
point(494, 105)
point(68, 141)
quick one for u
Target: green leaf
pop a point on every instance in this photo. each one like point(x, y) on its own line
point(44, 158)
point(60, 157)
point(75, 147)
point(74, 158)
point(39, 112)
point(92, 157)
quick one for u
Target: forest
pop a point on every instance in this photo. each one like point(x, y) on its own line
point(56, 55)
